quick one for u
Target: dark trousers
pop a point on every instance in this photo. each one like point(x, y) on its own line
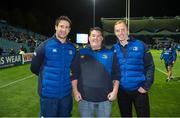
point(140, 101)
point(50, 107)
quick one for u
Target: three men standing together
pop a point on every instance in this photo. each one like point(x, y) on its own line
point(99, 75)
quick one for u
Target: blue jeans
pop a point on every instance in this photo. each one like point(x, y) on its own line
point(89, 109)
point(51, 107)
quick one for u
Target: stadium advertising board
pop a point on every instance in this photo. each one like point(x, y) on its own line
point(27, 57)
point(10, 60)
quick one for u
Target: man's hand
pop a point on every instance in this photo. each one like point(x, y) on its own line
point(77, 96)
point(141, 90)
point(112, 96)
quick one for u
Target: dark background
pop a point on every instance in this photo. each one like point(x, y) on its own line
point(39, 16)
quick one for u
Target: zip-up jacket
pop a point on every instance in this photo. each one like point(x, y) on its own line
point(169, 55)
point(95, 72)
point(137, 66)
point(51, 62)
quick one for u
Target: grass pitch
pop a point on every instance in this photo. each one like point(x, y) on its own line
point(19, 98)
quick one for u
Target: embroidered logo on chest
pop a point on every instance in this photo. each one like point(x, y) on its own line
point(70, 52)
point(135, 49)
point(104, 56)
point(54, 50)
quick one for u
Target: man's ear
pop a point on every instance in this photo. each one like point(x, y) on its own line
point(55, 27)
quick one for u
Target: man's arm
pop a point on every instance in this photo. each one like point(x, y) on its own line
point(37, 60)
point(75, 73)
point(149, 70)
point(174, 55)
point(115, 77)
point(113, 95)
point(161, 56)
point(77, 95)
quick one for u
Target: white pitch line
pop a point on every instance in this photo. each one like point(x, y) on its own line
point(16, 81)
point(34, 75)
point(161, 71)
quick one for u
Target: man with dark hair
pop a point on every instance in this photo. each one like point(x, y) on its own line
point(169, 56)
point(51, 62)
point(95, 74)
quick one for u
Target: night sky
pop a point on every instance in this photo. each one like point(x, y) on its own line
point(81, 11)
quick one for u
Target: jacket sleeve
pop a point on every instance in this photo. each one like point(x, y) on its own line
point(162, 53)
point(115, 68)
point(174, 55)
point(149, 69)
point(38, 59)
point(75, 67)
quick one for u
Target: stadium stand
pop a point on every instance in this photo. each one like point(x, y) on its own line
point(151, 30)
point(16, 38)
point(7, 45)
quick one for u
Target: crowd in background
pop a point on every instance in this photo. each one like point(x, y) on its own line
point(26, 40)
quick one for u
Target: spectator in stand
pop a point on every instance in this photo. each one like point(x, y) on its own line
point(12, 51)
point(21, 51)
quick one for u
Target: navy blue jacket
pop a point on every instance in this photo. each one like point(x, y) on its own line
point(169, 55)
point(51, 62)
point(95, 72)
point(136, 63)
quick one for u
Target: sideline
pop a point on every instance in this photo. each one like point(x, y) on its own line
point(161, 71)
point(3, 86)
point(30, 76)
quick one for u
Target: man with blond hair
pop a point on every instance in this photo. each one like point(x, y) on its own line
point(137, 72)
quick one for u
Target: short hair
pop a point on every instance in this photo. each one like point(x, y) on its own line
point(119, 22)
point(97, 29)
point(63, 18)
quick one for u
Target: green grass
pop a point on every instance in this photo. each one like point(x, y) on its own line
point(20, 99)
